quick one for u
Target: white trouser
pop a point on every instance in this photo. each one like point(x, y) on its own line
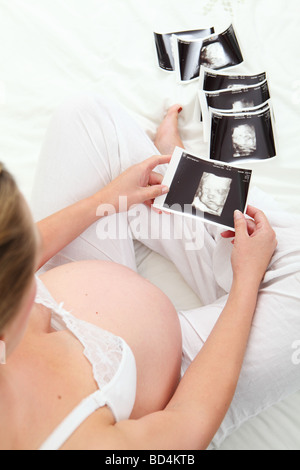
point(90, 141)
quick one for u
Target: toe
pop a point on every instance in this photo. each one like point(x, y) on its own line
point(176, 108)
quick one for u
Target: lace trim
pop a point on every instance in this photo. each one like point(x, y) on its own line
point(103, 349)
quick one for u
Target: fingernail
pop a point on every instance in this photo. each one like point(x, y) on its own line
point(156, 210)
point(238, 215)
point(165, 190)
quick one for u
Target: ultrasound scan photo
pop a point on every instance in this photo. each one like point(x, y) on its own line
point(212, 80)
point(204, 189)
point(243, 136)
point(164, 47)
point(216, 51)
point(238, 99)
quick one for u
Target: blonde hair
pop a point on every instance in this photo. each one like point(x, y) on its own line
point(18, 246)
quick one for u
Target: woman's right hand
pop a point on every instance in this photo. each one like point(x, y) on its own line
point(254, 245)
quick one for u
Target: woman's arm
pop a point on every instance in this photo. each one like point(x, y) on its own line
point(139, 184)
point(204, 395)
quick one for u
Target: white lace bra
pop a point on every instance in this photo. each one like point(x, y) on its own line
point(113, 364)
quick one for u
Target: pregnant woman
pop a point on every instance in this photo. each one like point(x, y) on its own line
point(95, 354)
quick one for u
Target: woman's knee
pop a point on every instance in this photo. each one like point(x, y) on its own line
point(84, 105)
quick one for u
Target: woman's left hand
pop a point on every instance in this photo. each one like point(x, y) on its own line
point(139, 184)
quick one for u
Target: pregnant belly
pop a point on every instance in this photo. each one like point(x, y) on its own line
point(118, 300)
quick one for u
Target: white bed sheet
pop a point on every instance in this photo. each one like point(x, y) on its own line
point(52, 49)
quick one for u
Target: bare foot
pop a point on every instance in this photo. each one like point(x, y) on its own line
point(168, 137)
